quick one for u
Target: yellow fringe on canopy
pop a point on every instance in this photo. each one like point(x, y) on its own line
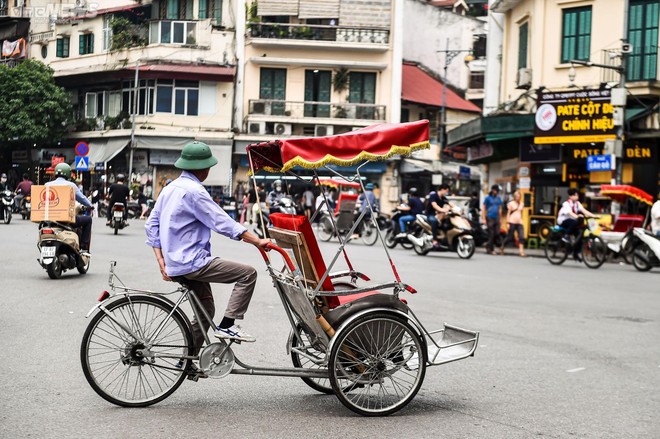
point(628, 194)
point(364, 155)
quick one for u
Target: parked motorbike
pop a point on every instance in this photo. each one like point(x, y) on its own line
point(457, 239)
point(7, 205)
point(118, 217)
point(59, 248)
point(646, 253)
point(392, 237)
point(285, 205)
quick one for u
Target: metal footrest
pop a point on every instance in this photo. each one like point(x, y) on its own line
point(452, 344)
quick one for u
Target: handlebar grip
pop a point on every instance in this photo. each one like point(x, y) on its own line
point(281, 251)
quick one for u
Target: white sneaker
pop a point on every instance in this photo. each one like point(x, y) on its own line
point(234, 333)
point(401, 235)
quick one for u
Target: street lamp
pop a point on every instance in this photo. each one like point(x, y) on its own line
point(449, 56)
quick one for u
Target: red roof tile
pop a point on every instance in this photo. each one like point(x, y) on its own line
point(420, 87)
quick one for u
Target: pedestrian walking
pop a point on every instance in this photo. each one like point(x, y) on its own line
point(514, 221)
point(491, 215)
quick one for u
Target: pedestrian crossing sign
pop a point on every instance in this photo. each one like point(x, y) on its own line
point(82, 163)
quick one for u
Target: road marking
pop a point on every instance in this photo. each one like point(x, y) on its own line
point(577, 369)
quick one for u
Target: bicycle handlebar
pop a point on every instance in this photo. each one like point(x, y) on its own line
point(281, 251)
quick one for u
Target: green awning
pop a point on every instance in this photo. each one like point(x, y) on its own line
point(505, 136)
point(634, 113)
point(499, 127)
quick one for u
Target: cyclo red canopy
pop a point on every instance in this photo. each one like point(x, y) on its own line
point(376, 142)
point(620, 191)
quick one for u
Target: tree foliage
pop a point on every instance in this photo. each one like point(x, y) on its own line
point(32, 107)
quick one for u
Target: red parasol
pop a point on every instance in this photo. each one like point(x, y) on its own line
point(619, 192)
point(376, 142)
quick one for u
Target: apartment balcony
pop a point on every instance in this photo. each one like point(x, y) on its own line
point(11, 62)
point(305, 36)
point(42, 37)
point(315, 112)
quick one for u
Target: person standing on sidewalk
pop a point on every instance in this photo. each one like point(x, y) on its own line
point(179, 231)
point(514, 220)
point(491, 215)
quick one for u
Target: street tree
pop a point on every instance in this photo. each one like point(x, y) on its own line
point(33, 108)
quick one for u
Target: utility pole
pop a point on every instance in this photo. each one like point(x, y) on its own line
point(131, 146)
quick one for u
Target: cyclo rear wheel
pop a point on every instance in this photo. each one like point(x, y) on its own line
point(594, 251)
point(377, 364)
point(129, 370)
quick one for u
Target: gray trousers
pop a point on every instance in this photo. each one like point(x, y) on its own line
point(224, 272)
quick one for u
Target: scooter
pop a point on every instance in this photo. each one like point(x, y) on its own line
point(457, 239)
point(646, 253)
point(26, 207)
point(59, 248)
point(392, 236)
point(285, 205)
point(117, 221)
point(7, 205)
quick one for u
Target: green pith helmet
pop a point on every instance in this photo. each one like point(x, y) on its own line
point(63, 170)
point(194, 156)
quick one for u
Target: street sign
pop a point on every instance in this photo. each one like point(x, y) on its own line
point(99, 167)
point(82, 163)
point(463, 172)
point(82, 149)
point(600, 163)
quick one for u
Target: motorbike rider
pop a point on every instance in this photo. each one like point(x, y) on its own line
point(118, 193)
point(410, 210)
point(23, 190)
point(569, 218)
point(276, 195)
point(179, 231)
point(62, 178)
point(366, 199)
point(436, 210)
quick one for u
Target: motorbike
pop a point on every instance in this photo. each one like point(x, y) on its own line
point(646, 253)
point(26, 207)
point(392, 237)
point(117, 219)
point(285, 205)
point(457, 239)
point(59, 248)
point(7, 205)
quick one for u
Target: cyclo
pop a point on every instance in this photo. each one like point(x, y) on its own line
point(361, 342)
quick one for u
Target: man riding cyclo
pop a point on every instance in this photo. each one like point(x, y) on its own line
point(179, 231)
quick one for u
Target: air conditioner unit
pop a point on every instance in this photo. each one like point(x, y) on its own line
point(323, 130)
point(524, 79)
point(261, 108)
point(257, 128)
point(282, 129)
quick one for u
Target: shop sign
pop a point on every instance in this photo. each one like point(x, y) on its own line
point(99, 167)
point(19, 156)
point(543, 153)
point(163, 157)
point(604, 162)
point(580, 153)
point(584, 116)
point(463, 173)
point(639, 152)
point(480, 151)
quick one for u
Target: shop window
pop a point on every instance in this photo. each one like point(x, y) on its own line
point(576, 34)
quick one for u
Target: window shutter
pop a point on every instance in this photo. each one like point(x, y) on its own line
point(90, 49)
point(81, 44)
point(59, 49)
point(523, 33)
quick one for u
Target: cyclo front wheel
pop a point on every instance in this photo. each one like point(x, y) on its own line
point(132, 354)
point(377, 364)
point(594, 251)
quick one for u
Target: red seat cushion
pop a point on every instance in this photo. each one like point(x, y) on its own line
point(300, 223)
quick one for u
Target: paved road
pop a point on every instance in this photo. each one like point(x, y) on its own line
point(565, 352)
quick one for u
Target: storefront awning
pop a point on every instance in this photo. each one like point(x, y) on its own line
point(413, 166)
point(500, 127)
point(104, 150)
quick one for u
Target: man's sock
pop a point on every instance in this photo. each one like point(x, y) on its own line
point(226, 323)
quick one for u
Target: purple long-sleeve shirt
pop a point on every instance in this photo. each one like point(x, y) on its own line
point(181, 223)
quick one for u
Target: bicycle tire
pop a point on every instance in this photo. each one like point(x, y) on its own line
point(325, 229)
point(556, 251)
point(371, 364)
point(369, 233)
point(115, 352)
point(594, 251)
